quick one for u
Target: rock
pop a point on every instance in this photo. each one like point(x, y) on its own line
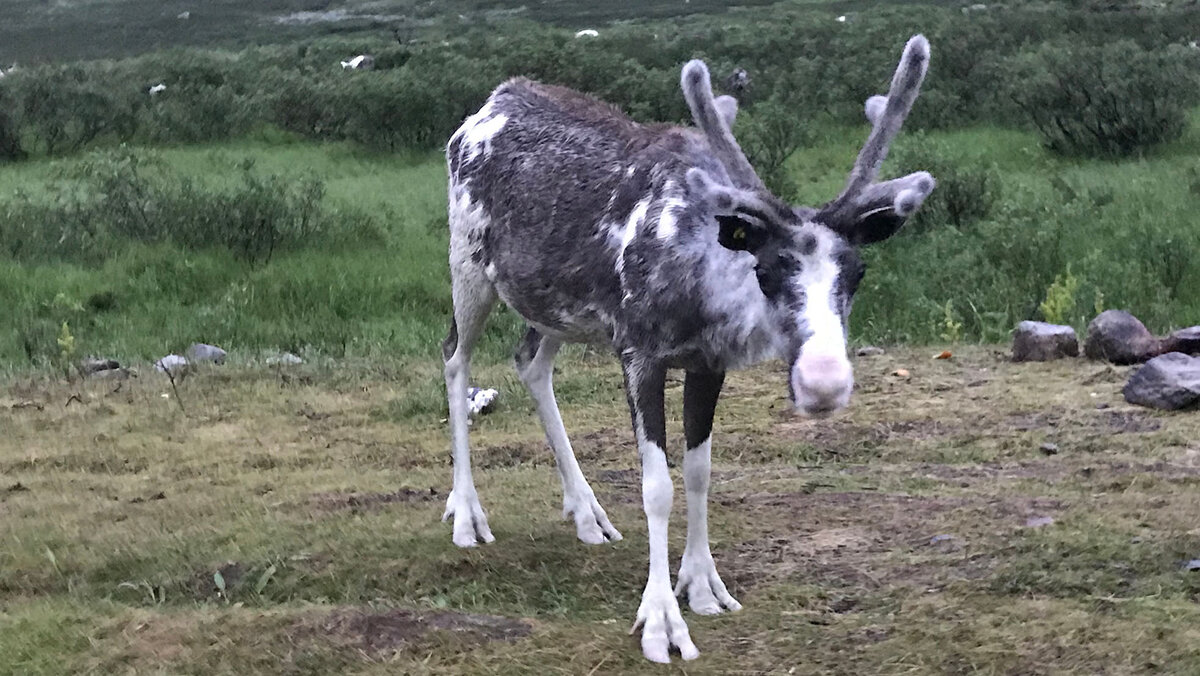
point(115, 374)
point(200, 353)
point(171, 363)
point(1038, 521)
point(869, 351)
point(1049, 448)
point(1194, 564)
point(1039, 341)
point(93, 365)
point(285, 359)
point(1186, 341)
point(1118, 337)
point(1170, 382)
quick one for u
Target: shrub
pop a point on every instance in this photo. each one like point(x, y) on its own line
point(1060, 298)
point(1112, 100)
point(116, 197)
point(769, 134)
point(967, 190)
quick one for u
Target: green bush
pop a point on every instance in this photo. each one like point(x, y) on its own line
point(1113, 100)
point(967, 189)
point(115, 197)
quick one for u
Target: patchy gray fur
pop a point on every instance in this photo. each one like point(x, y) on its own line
point(661, 242)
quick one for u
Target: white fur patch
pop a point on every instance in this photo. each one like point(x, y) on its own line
point(820, 316)
point(466, 216)
point(669, 217)
point(629, 231)
point(478, 130)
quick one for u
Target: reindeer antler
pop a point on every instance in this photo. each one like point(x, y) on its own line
point(715, 120)
point(862, 196)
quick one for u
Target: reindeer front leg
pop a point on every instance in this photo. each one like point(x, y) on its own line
point(658, 616)
point(698, 576)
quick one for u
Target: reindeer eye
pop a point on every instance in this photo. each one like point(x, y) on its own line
point(738, 234)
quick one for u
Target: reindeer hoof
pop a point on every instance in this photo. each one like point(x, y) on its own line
point(591, 523)
point(470, 521)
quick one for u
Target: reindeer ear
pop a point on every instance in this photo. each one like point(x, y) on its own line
point(882, 208)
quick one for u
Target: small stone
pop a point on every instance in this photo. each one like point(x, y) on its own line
point(869, 351)
point(1186, 341)
point(171, 363)
point(1039, 341)
point(901, 373)
point(1118, 337)
point(115, 374)
point(1170, 382)
point(93, 365)
point(1038, 521)
point(285, 359)
point(1049, 448)
point(200, 353)
point(1194, 564)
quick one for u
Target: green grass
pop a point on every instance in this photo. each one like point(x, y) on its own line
point(118, 509)
point(1124, 229)
point(39, 32)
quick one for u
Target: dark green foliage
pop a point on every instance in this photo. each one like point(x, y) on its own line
point(769, 135)
point(114, 198)
point(797, 56)
point(967, 189)
point(1112, 100)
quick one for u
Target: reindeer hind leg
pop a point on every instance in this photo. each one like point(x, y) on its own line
point(474, 298)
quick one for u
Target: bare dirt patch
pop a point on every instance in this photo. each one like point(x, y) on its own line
point(866, 539)
point(523, 453)
point(842, 437)
point(356, 501)
point(399, 629)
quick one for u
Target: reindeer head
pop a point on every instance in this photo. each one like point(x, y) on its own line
point(806, 259)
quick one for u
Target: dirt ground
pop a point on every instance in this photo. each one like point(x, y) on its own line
point(973, 516)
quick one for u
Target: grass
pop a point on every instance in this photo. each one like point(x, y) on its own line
point(40, 32)
point(1122, 229)
point(315, 492)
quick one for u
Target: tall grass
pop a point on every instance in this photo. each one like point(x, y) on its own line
point(1123, 230)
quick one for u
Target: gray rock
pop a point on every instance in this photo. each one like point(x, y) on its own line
point(1186, 341)
point(1170, 382)
point(200, 353)
point(869, 351)
point(1039, 341)
point(93, 365)
point(171, 363)
point(1049, 448)
point(1118, 337)
point(1038, 521)
point(115, 374)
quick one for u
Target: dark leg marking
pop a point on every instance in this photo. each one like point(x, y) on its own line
point(644, 385)
point(527, 349)
point(700, 392)
point(450, 344)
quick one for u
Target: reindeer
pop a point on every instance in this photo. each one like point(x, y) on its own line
point(662, 242)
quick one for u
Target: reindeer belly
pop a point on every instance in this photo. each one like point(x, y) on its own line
point(570, 307)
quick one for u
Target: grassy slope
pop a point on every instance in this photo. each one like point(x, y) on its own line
point(35, 31)
point(393, 300)
point(115, 513)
